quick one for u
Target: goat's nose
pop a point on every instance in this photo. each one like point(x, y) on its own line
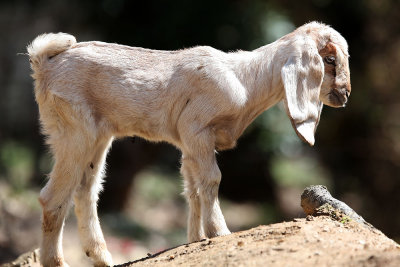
point(345, 91)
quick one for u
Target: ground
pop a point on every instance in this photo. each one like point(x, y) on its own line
point(311, 241)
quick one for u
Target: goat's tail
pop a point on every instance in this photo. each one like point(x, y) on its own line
point(46, 46)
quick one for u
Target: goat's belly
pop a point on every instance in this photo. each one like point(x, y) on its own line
point(134, 126)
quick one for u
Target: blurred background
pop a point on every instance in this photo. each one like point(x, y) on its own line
point(357, 151)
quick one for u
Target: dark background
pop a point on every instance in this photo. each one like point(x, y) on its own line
point(357, 151)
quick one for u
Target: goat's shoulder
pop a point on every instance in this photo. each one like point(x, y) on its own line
point(202, 51)
point(200, 57)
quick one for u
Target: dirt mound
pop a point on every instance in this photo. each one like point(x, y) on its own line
point(311, 241)
point(315, 241)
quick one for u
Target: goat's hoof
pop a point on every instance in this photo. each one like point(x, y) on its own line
point(219, 233)
point(224, 232)
point(56, 262)
point(195, 238)
point(104, 259)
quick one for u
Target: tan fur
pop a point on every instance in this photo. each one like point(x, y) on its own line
point(198, 99)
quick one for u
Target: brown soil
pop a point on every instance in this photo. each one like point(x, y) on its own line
point(312, 241)
point(315, 241)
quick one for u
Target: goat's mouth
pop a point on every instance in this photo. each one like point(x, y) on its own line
point(337, 99)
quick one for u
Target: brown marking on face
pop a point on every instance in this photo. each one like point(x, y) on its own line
point(337, 80)
point(329, 50)
point(331, 69)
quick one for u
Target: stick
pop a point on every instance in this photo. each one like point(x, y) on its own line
point(315, 196)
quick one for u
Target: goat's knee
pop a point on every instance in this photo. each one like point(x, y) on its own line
point(209, 184)
point(54, 207)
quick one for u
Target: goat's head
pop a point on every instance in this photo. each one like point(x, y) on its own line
point(315, 73)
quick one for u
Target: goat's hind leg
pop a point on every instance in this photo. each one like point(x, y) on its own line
point(85, 199)
point(56, 197)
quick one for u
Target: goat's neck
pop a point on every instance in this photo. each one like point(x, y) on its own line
point(260, 73)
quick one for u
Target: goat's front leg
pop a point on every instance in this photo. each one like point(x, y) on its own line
point(213, 220)
point(199, 158)
point(195, 230)
point(85, 199)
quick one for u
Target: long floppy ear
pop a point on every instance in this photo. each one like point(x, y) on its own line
point(302, 77)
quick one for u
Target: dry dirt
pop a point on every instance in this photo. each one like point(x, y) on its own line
point(311, 241)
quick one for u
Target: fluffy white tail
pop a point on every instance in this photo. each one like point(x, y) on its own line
point(46, 46)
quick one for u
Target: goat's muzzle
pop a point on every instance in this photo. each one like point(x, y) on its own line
point(339, 97)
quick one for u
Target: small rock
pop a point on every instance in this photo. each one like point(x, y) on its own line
point(372, 257)
point(206, 242)
point(309, 218)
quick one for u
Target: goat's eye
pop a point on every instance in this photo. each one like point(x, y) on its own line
point(330, 60)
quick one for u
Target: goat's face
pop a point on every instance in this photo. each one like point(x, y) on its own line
point(335, 88)
point(315, 73)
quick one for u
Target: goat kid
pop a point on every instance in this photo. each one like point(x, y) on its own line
point(198, 99)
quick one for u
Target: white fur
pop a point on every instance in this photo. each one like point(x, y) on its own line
point(198, 99)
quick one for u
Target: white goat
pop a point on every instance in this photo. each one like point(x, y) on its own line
point(198, 99)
